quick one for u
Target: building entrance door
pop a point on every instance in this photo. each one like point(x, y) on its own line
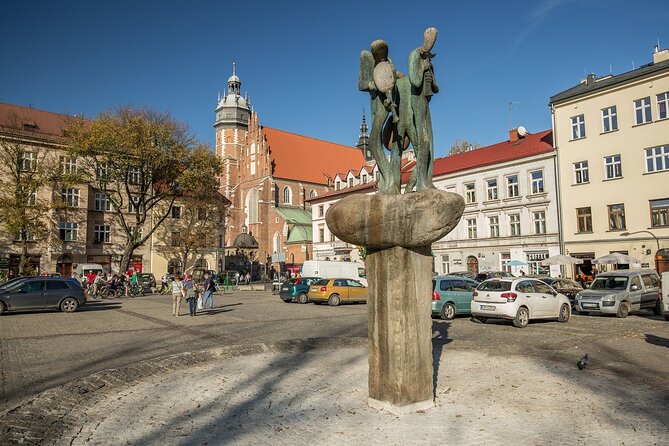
point(472, 264)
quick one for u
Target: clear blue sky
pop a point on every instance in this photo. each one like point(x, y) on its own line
point(298, 60)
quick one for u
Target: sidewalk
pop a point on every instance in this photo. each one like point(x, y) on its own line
point(319, 397)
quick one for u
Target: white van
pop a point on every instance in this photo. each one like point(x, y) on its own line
point(330, 270)
point(664, 294)
point(84, 268)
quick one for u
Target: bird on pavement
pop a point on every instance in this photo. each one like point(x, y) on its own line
point(583, 362)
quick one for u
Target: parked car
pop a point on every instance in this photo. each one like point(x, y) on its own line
point(568, 287)
point(619, 292)
point(336, 291)
point(452, 295)
point(296, 289)
point(520, 300)
point(147, 280)
point(37, 293)
point(467, 274)
point(480, 277)
point(664, 294)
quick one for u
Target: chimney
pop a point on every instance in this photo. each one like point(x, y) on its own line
point(660, 56)
point(513, 135)
point(590, 79)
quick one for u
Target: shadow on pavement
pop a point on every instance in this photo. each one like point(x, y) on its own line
point(439, 339)
point(657, 340)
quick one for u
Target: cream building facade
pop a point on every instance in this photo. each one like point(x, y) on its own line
point(612, 140)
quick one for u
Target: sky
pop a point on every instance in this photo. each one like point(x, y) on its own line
point(497, 63)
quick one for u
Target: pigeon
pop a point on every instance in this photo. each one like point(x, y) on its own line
point(583, 362)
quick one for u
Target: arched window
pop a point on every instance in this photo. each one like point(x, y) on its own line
point(201, 264)
point(312, 194)
point(287, 195)
point(252, 206)
point(472, 264)
point(174, 267)
point(276, 242)
point(276, 195)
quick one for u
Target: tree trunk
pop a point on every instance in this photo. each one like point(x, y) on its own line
point(127, 255)
point(23, 261)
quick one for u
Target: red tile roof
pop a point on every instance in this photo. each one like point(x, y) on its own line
point(32, 122)
point(301, 158)
point(532, 144)
point(372, 186)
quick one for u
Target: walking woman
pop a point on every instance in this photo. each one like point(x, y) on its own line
point(177, 294)
point(191, 296)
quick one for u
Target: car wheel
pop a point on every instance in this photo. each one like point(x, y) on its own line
point(69, 304)
point(334, 300)
point(565, 313)
point(623, 310)
point(2, 308)
point(302, 298)
point(657, 309)
point(522, 318)
point(448, 311)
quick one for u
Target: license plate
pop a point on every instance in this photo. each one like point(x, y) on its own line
point(488, 307)
point(589, 305)
point(284, 289)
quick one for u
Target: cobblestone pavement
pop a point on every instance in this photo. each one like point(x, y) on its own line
point(90, 357)
point(315, 398)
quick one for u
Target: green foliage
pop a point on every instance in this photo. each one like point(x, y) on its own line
point(462, 145)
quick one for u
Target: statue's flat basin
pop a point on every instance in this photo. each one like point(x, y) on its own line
point(407, 220)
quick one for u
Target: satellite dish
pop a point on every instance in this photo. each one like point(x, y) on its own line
point(522, 131)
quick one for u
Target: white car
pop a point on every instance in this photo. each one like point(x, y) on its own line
point(519, 299)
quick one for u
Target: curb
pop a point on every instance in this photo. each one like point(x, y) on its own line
point(45, 417)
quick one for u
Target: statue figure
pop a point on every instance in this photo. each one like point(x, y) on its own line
point(423, 87)
point(406, 100)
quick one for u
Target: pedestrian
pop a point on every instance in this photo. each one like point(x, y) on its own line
point(191, 297)
point(236, 277)
point(177, 294)
point(208, 289)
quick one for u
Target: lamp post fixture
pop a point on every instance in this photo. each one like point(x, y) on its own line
point(657, 240)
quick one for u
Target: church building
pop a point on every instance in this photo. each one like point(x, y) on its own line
point(268, 175)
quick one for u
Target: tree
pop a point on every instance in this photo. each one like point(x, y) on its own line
point(143, 161)
point(24, 206)
point(462, 145)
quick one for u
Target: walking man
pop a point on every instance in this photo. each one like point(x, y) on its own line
point(208, 288)
point(177, 294)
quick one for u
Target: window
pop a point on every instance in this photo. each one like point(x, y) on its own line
point(539, 222)
point(312, 194)
point(332, 237)
point(134, 233)
point(609, 119)
point(175, 238)
point(321, 210)
point(133, 205)
point(364, 178)
point(657, 159)
point(537, 181)
point(613, 167)
point(581, 172)
point(321, 233)
point(584, 219)
point(350, 182)
point(69, 232)
point(471, 228)
point(337, 185)
point(616, 216)
point(70, 197)
point(512, 186)
point(102, 172)
point(659, 212)
point(32, 199)
point(491, 186)
point(494, 226)
point(470, 193)
point(102, 202)
point(287, 195)
point(663, 105)
point(445, 264)
point(56, 285)
point(101, 234)
point(68, 165)
point(578, 127)
point(134, 175)
point(642, 112)
point(28, 236)
point(377, 175)
point(514, 225)
point(28, 162)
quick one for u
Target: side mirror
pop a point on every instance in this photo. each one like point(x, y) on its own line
point(634, 288)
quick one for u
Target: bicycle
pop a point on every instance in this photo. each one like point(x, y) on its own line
point(135, 289)
point(166, 288)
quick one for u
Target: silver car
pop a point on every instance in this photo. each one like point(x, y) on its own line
point(622, 291)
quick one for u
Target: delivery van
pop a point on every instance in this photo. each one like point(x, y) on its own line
point(326, 269)
point(84, 268)
point(664, 295)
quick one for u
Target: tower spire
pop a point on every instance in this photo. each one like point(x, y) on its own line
point(363, 139)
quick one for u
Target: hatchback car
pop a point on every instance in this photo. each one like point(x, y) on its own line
point(296, 289)
point(569, 288)
point(480, 277)
point(622, 291)
point(336, 291)
point(43, 293)
point(148, 281)
point(452, 295)
point(519, 300)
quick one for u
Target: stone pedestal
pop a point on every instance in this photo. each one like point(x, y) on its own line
point(398, 231)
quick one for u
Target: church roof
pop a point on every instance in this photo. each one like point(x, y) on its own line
point(300, 158)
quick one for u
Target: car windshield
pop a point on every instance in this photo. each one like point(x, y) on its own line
point(609, 283)
point(494, 285)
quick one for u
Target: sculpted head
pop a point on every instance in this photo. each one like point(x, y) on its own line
point(379, 50)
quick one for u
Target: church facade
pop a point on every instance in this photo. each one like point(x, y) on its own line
point(268, 175)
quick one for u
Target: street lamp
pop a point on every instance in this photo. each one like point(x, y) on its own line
point(657, 240)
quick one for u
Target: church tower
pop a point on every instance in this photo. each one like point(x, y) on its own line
point(363, 140)
point(231, 126)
